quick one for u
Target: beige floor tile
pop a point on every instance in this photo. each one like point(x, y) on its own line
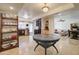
point(66, 46)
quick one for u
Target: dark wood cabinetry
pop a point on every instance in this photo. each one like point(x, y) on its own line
point(8, 32)
point(38, 24)
point(37, 31)
point(21, 32)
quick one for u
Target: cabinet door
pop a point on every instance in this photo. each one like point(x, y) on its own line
point(38, 23)
point(0, 31)
point(0, 22)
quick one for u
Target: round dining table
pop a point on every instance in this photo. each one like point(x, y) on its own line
point(46, 41)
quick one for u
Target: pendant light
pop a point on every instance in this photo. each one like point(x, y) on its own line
point(45, 8)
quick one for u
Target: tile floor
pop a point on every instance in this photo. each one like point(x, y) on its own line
point(65, 46)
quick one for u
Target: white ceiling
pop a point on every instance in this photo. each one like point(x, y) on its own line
point(33, 10)
point(4, 7)
point(71, 13)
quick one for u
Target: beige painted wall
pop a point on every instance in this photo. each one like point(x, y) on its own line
point(51, 24)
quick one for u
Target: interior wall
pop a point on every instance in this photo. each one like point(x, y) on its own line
point(69, 18)
point(51, 24)
point(34, 26)
point(22, 23)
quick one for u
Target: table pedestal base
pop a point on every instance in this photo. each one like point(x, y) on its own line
point(46, 48)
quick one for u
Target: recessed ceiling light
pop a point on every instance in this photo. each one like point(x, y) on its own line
point(26, 16)
point(11, 7)
point(59, 14)
point(15, 15)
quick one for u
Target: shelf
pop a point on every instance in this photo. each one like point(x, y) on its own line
point(2, 49)
point(9, 32)
point(10, 25)
point(8, 18)
point(8, 40)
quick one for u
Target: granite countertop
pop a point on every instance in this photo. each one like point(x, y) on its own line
point(48, 37)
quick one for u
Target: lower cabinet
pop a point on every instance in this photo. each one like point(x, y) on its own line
point(21, 32)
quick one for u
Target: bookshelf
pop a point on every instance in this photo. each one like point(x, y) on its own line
point(8, 32)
